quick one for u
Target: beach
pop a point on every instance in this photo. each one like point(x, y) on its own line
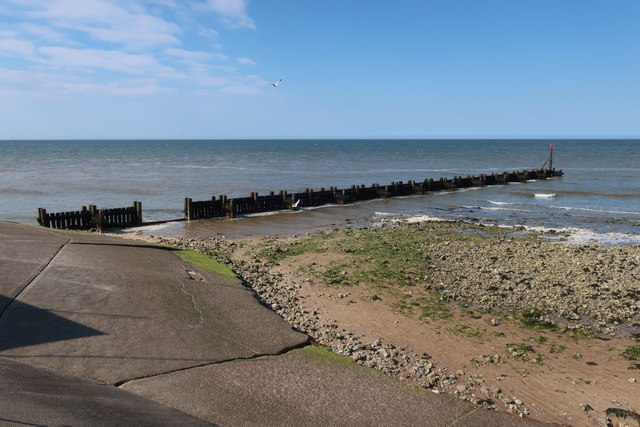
point(520, 298)
point(516, 321)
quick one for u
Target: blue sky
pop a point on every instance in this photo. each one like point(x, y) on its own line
point(350, 69)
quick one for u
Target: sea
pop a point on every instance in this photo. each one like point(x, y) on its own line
point(596, 201)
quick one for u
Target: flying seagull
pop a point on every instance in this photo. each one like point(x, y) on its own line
point(276, 83)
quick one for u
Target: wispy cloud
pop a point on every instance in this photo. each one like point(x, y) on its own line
point(17, 48)
point(195, 56)
point(107, 21)
point(120, 47)
point(233, 13)
point(112, 60)
point(129, 88)
point(246, 61)
point(209, 33)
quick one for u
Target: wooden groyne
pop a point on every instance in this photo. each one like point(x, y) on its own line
point(224, 207)
point(93, 218)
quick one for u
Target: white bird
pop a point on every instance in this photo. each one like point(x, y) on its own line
point(296, 204)
point(276, 83)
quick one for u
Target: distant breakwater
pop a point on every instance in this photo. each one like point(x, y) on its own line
point(89, 218)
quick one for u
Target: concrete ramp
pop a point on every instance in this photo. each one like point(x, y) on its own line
point(304, 388)
point(113, 311)
point(40, 397)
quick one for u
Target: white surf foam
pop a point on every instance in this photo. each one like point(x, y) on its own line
point(384, 214)
point(545, 195)
point(569, 208)
point(421, 218)
point(583, 236)
point(501, 203)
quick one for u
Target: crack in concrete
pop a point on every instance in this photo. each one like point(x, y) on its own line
point(34, 278)
point(183, 289)
point(216, 362)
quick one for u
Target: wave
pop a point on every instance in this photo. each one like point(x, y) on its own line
point(583, 236)
point(422, 218)
point(598, 194)
point(270, 213)
point(544, 195)
point(21, 192)
point(210, 167)
point(384, 214)
point(489, 208)
point(570, 208)
point(602, 169)
point(130, 191)
point(501, 203)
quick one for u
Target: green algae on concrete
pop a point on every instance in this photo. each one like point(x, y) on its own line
point(323, 354)
point(205, 262)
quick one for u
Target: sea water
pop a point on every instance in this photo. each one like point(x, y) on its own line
point(598, 198)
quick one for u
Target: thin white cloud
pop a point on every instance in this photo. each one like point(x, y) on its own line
point(246, 61)
point(111, 60)
point(27, 83)
point(209, 33)
point(17, 48)
point(173, 4)
point(233, 13)
point(109, 46)
point(195, 56)
point(129, 89)
point(107, 21)
point(42, 32)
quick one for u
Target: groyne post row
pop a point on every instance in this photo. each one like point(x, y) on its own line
point(93, 218)
point(224, 207)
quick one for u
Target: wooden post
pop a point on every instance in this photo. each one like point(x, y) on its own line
point(138, 208)
point(41, 213)
point(187, 208)
point(232, 206)
point(549, 162)
point(99, 221)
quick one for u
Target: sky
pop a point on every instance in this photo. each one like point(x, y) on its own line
point(200, 69)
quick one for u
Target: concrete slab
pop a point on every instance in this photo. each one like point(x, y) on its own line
point(24, 252)
point(114, 311)
point(301, 389)
point(37, 396)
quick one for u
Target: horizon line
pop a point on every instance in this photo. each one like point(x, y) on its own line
point(333, 139)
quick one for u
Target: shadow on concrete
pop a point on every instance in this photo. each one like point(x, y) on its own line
point(19, 318)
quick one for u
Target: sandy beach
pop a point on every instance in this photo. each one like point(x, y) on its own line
point(507, 320)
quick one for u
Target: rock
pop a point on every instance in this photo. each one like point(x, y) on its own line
point(586, 407)
point(632, 380)
point(603, 421)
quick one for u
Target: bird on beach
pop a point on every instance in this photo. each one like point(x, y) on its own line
point(276, 83)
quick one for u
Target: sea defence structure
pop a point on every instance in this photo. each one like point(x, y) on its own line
point(224, 207)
